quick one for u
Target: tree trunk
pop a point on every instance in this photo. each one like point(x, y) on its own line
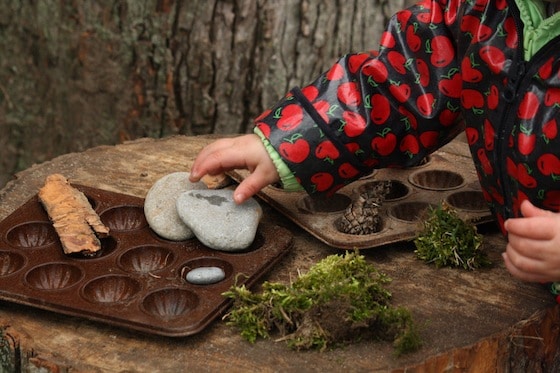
point(76, 74)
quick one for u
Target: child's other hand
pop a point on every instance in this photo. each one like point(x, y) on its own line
point(533, 249)
point(243, 152)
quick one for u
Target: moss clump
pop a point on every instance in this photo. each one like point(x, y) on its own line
point(448, 241)
point(341, 299)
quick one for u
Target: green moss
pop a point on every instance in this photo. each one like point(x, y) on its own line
point(341, 299)
point(448, 241)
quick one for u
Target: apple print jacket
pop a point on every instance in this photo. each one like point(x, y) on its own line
point(443, 66)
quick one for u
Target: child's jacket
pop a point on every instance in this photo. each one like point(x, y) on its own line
point(443, 66)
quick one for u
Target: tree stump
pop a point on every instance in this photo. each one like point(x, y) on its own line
point(74, 75)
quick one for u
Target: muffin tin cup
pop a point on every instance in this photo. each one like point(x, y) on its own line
point(137, 280)
point(442, 177)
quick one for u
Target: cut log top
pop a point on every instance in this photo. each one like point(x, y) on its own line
point(465, 317)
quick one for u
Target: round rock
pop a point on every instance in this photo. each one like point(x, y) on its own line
point(217, 221)
point(160, 206)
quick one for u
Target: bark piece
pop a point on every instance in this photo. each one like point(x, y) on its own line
point(73, 218)
point(219, 181)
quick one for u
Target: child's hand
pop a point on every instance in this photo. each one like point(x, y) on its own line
point(533, 250)
point(243, 152)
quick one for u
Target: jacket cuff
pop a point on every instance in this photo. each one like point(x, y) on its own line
point(287, 178)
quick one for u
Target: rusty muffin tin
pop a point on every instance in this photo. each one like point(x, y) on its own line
point(137, 280)
point(443, 176)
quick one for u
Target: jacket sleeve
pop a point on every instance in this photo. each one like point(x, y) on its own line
point(389, 108)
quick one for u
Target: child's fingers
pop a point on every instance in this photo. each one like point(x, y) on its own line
point(524, 269)
point(536, 228)
point(217, 157)
point(251, 185)
point(529, 210)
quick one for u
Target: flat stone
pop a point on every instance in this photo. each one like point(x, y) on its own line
point(217, 221)
point(205, 275)
point(160, 206)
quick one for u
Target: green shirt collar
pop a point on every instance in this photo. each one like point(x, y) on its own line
point(538, 28)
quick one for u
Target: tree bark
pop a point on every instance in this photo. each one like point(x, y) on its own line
point(79, 74)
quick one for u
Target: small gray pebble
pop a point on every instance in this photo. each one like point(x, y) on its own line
point(205, 275)
point(160, 206)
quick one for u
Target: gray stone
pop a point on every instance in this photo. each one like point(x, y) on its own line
point(205, 275)
point(217, 221)
point(160, 206)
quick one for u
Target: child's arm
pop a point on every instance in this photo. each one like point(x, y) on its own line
point(533, 249)
point(244, 152)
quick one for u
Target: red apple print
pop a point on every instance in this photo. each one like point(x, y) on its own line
point(550, 130)
point(479, 32)
point(401, 92)
point(529, 106)
point(548, 164)
point(552, 200)
point(497, 196)
point(412, 40)
point(493, 98)
point(480, 5)
point(443, 51)
point(472, 99)
point(526, 141)
point(511, 168)
point(264, 128)
point(380, 108)
point(511, 33)
point(335, 73)
point(448, 116)
point(398, 61)
point(354, 124)
point(450, 14)
point(545, 71)
point(423, 73)
point(347, 171)
point(489, 134)
point(376, 69)
point(356, 60)
point(384, 144)
point(289, 117)
point(327, 151)
point(484, 161)
point(429, 139)
point(494, 57)
point(425, 104)
point(470, 73)
point(387, 40)
point(322, 181)
point(323, 108)
point(410, 119)
point(472, 135)
point(500, 4)
point(451, 87)
point(552, 96)
point(310, 92)
point(402, 17)
point(482, 34)
point(434, 17)
point(295, 151)
point(409, 145)
point(524, 177)
point(352, 147)
point(349, 94)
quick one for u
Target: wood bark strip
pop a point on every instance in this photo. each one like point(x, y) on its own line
point(74, 220)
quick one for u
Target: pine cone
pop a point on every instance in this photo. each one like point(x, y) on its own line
point(362, 216)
